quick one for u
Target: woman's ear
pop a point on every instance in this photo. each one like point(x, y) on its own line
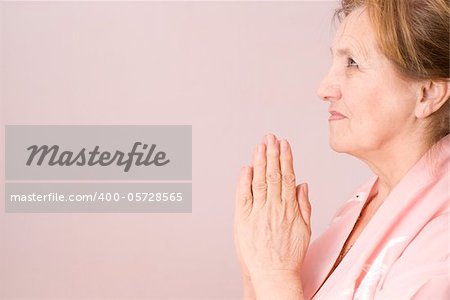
point(431, 96)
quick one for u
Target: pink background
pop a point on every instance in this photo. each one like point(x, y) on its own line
point(233, 70)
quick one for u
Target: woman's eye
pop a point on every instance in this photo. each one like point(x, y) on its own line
point(351, 62)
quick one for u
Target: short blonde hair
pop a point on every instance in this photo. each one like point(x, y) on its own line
point(414, 36)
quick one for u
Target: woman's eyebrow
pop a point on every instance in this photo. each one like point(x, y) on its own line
point(342, 51)
point(346, 51)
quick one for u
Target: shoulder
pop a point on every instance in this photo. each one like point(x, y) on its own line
point(422, 268)
point(431, 243)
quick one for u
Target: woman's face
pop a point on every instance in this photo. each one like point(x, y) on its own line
point(362, 85)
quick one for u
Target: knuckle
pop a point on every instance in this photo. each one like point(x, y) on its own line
point(273, 177)
point(260, 186)
point(246, 198)
point(288, 178)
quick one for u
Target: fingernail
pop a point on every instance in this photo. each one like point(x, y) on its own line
point(270, 139)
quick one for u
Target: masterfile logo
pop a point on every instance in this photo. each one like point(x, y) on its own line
point(57, 168)
point(90, 158)
point(100, 152)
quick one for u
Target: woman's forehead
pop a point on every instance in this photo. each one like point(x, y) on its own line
point(355, 33)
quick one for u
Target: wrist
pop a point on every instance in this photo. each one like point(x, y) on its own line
point(276, 275)
point(278, 285)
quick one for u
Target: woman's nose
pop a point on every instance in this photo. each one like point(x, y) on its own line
point(329, 89)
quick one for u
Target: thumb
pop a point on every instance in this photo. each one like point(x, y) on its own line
point(303, 202)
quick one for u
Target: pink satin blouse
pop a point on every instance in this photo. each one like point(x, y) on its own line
point(402, 253)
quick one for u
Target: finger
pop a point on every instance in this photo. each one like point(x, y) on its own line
point(244, 199)
point(304, 204)
point(259, 185)
point(236, 241)
point(253, 155)
point(288, 191)
point(273, 172)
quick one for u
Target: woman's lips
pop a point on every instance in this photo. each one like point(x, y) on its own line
point(336, 116)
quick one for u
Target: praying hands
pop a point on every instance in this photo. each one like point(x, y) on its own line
point(272, 223)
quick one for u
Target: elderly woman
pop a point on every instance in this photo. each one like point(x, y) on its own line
point(388, 92)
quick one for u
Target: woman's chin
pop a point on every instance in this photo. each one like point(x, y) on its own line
point(338, 145)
